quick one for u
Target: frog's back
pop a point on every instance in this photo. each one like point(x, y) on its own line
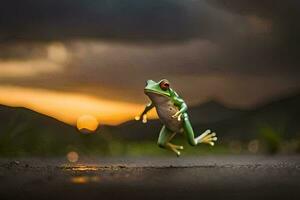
point(165, 110)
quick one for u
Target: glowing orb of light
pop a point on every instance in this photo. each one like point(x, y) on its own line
point(57, 52)
point(87, 124)
point(72, 156)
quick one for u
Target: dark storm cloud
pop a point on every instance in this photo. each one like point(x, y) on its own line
point(141, 20)
point(252, 36)
point(275, 49)
point(216, 42)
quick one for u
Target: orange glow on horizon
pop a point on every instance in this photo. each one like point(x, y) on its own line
point(87, 123)
point(68, 107)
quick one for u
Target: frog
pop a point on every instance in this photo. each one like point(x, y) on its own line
point(172, 111)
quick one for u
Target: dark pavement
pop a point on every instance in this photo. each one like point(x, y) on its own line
point(215, 177)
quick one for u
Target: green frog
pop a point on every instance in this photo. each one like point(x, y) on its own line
point(172, 112)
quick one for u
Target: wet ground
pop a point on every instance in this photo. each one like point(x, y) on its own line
point(238, 177)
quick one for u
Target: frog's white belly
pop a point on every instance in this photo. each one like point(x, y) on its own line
point(166, 109)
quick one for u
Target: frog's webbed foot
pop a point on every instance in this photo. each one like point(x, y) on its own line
point(207, 137)
point(174, 148)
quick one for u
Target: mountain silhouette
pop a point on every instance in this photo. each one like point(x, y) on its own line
point(213, 111)
point(280, 116)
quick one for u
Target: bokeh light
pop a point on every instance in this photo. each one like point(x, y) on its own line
point(253, 146)
point(72, 156)
point(235, 146)
point(79, 180)
point(85, 179)
point(87, 124)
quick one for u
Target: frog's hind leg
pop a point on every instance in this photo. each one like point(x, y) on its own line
point(206, 137)
point(164, 139)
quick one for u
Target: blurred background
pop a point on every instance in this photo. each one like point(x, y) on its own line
point(72, 74)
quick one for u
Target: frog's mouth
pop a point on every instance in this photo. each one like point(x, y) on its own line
point(147, 91)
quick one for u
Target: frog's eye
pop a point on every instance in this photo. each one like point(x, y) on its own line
point(164, 85)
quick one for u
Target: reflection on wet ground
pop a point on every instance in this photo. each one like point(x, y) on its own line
point(85, 179)
point(81, 168)
point(94, 174)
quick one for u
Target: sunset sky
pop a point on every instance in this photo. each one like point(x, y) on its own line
point(68, 58)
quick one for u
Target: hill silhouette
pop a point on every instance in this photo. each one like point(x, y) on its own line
point(24, 130)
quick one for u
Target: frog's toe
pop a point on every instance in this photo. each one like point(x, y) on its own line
point(207, 138)
point(178, 147)
point(203, 136)
point(210, 136)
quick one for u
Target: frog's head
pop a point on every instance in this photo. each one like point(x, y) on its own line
point(161, 87)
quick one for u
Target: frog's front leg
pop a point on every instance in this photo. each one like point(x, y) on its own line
point(165, 136)
point(182, 107)
point(206, 137)
point(143, 115)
